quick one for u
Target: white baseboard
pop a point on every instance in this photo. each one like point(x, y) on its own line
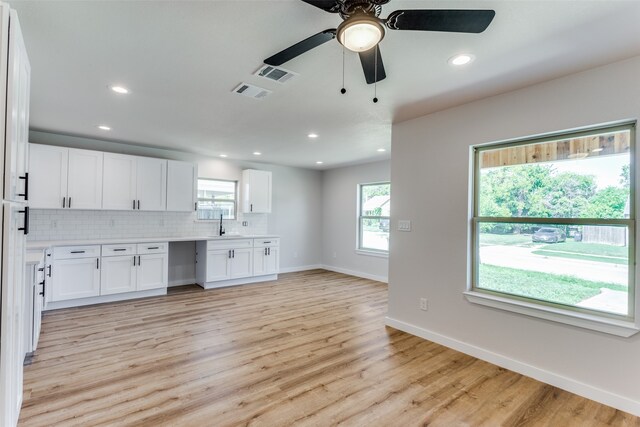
point(383, 279)
point(300, 268)
point(182, 282)
point(585, 390)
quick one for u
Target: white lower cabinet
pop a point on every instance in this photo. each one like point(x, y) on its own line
point(218, 266)
point(118, 275)
point(152, 271)
point(241, 263)
point(75, 278)
point(266, 260)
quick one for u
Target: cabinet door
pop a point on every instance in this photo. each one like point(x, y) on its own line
point(84, 179)
point(119, 182)
point(256, 186)
point(151, 184)
point(47, 176)
point(259, 261)
point(117, 275)
point(181, 186)
point(272, 260)
point(17, 115)
point(242, 263)
point(75, 278)
point(218, 265)
point(152, 271)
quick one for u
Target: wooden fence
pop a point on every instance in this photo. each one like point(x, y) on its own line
point(607, 235)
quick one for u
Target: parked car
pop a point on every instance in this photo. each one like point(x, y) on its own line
point(549, 235)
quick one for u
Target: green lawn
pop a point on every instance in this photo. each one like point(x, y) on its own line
point(543, 286)
point(548, 253)
point(588, 248)
point(504, 239)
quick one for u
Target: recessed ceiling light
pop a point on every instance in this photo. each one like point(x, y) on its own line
point(223, 155)
point(119, 89)
point(462, 59)
point(597, 150)
point(319, 162)
point(313, 135)
point(104, 127)
point(257, 153)
point(381, 150)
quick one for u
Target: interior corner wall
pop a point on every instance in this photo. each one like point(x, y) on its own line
point(430, 173)
point(339, 213)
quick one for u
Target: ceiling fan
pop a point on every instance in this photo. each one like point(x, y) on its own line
point(362, 29)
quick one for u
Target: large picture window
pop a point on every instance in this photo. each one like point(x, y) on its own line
point(554, 221)
point(216, 197)
point(374, 210)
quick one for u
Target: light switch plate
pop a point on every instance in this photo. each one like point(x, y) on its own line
point(404, 225)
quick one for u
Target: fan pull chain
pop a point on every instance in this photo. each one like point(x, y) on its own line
point(375, 74)
point(343, 90)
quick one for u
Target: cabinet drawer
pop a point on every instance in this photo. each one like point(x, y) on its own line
point(152, 248)
point(229, 244)
point(72, 252)
point(264, 243)
point(115, 250)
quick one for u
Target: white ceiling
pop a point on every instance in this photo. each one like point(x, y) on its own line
point(181, 59)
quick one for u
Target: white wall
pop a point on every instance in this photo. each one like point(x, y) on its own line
point(430, 175)
point(339, 213)
point(296, 209)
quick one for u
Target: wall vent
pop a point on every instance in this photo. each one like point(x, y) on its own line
point(276, 74)
point(251, 91)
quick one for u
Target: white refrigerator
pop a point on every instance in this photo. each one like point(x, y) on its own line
point(15, 70)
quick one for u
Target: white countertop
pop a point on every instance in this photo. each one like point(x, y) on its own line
point(43, 244)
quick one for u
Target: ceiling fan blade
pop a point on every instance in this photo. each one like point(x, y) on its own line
point(331, 6)
point(301, 47)
point(369, 60)
point(452, 20)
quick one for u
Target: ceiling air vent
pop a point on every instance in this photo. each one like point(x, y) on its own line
point(251, 91)
point(279, 75)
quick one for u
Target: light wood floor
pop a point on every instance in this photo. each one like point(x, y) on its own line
point(310, 349)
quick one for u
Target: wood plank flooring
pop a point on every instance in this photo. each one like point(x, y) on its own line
point(310, 349)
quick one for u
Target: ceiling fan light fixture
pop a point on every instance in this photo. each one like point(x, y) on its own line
point(360, 33)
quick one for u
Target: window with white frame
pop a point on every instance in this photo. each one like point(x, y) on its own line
point(374, 210)
point(554, 222)
point(216, 197)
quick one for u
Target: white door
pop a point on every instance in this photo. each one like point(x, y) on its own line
point(119, 182)
point(151, 184)
point(84, 179)
point(48, 167)
point(75, 278)
point(218, 265)
point(152, 271)
point(17, 116)
point(241, 263)
point(117, 275)
point(272, 260)
point(259, 261)
point(181, 186)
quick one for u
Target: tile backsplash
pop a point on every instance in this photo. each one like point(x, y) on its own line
point(58, 224)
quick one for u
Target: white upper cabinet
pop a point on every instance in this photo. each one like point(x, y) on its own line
point(256, 191)
point(84, 179)
point(119, 182)
point(134, 183)
point(17, 116)
point(48, 168)
point(64, 178)
point(181, 186)
point(151, 184)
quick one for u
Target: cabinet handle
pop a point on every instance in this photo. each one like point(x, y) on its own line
point(139, 261)
point(43, 285)
point(134, 205)
point(154, 247)
point(26, 186)
point(265, 251)
point(97, 263)
point(233, 253)
point(269, 253)
point(49, 267)
point(134, 260)
point(64, 202)
point(138, 204)
point(69, 202)
point(77, 252)
point(229, 253)
point(251, 207)
point(119, 249)
point(25, 227)
point(196, 206)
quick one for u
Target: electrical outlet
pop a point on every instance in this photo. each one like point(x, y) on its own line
point(245, 223)
point(404, 225)
point(424, 304)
